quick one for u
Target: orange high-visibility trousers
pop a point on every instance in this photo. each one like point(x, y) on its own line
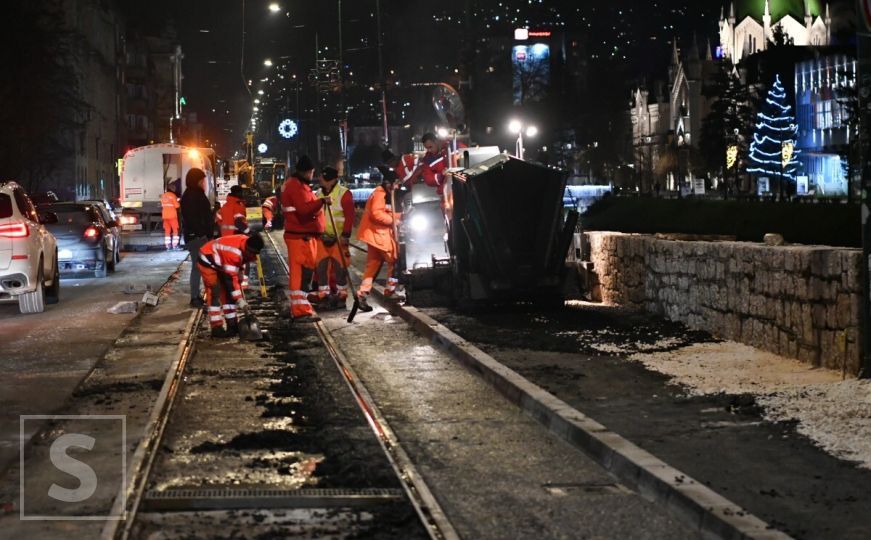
point(375, 258)
point(219, 300)
point(330, 271)
point(170, 232)
point(300, 254)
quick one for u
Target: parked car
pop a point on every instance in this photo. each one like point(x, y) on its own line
point(28, 252)
point(111, 220)
point(84, 239)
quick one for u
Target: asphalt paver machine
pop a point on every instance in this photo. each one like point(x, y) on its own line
point(505, 233)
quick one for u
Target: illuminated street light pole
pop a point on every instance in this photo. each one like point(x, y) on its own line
point(517, 127)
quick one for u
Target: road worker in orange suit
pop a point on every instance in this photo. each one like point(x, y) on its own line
point(232, 216)
point(303, 225)
point(170, 206)
point(232, 219)
point(334, 239)
point(377, 231)
point(436, 161)
point(270, 206)
point(407, 167)
point(219, 263)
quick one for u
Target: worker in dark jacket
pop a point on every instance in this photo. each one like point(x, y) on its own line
point(196, 214)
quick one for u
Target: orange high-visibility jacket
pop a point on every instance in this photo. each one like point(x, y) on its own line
point(226, 254)
point(376, 225)
point(232, 217)
point(270, 206)
point(303, 211)
point(170, 205)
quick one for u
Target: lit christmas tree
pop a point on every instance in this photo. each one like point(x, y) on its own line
point(773, 152)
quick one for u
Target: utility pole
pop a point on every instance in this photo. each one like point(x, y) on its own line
point(863, 38)
point(386, 135)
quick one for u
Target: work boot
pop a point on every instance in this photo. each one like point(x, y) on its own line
point(307, 319)
point(232, 328)
point(197, 303)
point(364, 305)
point(218, 332)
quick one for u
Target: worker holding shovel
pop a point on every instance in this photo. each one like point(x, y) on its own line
point(219, 263)
point(335, 239)
point(378, 231)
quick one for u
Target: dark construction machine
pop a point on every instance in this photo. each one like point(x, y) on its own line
point(504, 235)
point(498, 233)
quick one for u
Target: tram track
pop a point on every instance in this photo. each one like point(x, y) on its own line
point(279, 459)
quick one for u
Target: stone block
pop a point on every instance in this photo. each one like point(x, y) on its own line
point(833, 264)
point(832, 316)
point(807, 321)
point(788, 260)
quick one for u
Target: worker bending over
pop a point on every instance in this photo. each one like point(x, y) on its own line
point(219, 264)
point(334, 239)
point(377, 230)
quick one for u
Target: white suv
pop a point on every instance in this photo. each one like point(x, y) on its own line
point(28, 253)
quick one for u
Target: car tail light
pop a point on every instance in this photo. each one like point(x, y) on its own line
point(14, 230)
point(129, 220)
point(92, 232)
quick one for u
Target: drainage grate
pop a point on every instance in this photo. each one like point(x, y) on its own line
point(239, 498)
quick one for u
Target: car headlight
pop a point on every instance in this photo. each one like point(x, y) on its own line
point(418, 223)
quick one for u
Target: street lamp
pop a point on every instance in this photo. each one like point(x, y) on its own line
point(516, 127)
point(267, 62)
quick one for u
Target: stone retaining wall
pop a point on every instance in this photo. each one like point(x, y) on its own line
point(797, 301)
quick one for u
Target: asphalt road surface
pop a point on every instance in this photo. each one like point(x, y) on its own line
point(44, 356)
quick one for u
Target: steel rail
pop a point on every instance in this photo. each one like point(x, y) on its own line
point(130, 495)
point(425, 504)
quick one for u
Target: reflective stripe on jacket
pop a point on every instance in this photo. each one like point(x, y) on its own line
point(226, 254)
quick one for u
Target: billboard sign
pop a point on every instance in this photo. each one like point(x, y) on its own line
point(531, 72)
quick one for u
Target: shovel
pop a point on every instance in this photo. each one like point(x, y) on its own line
point(345, 265)
point(249, 329)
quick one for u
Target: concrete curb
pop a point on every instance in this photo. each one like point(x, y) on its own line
point(173, 278)
point(706, 510)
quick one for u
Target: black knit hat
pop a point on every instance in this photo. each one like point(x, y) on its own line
point(304, 164)
point(388, 175)
point(236, 190)
point(329, 173)
point(254, 243)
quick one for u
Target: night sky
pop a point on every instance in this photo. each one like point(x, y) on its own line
point(423, 41)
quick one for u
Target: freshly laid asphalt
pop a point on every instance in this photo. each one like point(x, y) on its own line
point(722, 441)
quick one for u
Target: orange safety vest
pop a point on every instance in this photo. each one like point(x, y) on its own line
point(169, 205)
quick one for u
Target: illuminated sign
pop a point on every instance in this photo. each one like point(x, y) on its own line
point(262, 148)
point(522, 34)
